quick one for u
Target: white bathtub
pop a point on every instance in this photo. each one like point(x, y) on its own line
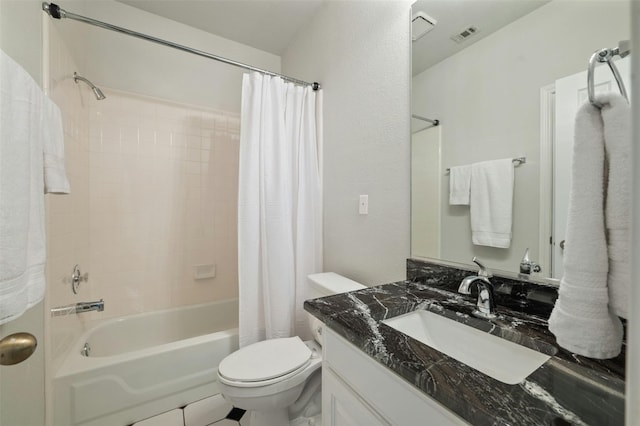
point(144, 364)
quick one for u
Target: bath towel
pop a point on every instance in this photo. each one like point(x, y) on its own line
point(581, 319)
point(24, 113)
point(616, 118)
point(492, 202)
point(55, 176)
point(459, 185)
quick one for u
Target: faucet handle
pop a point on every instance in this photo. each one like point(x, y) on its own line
point(482, 272)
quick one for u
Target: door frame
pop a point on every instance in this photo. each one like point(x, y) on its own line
point(547, 137)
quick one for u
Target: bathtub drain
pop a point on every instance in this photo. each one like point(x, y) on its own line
point(86, 349)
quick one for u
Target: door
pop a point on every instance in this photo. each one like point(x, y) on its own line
point(571, 92)
point(22, 385)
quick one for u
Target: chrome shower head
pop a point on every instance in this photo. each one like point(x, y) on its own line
point(97, 92)
point(99, 95)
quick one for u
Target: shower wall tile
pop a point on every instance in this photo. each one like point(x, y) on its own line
point(153, 193)
point(160, 204)
point(67, 216)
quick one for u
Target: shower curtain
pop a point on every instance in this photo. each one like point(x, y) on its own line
point(279, 206)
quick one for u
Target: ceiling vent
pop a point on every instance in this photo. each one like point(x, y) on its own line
point(421, 23)
point(464, 34)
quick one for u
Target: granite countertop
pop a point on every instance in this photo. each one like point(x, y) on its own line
point(567, 389)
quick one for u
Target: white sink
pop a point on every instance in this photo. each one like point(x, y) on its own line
point(501, 359)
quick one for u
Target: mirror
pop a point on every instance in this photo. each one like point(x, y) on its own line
point(493, 93)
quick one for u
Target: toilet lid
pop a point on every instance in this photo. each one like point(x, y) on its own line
point(265, 360)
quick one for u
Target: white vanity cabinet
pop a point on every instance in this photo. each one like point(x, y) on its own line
point(356, 390)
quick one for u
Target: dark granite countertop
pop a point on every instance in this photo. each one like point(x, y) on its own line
point(567, 389)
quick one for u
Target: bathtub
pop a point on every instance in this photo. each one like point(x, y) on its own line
point(145, 364)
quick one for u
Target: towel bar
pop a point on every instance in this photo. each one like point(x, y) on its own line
point(516, 162)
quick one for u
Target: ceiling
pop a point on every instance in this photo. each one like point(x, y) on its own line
point(455, 15)
point(270, 25)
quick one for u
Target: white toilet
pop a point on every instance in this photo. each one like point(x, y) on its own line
point(273, 377)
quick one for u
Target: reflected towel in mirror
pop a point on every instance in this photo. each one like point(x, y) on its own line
point(492, 202)
point(459, 185)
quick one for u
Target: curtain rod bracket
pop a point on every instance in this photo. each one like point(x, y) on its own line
point(52, 10)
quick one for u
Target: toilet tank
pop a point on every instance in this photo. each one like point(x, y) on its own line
point(328, 283)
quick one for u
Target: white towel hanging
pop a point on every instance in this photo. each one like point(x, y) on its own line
point(28, 120)
point(459, 185)
point(492, 202)
point(582, 319)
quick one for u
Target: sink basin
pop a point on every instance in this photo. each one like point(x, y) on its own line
point(501, 359)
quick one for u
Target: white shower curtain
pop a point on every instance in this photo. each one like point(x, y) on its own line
point(279, 206)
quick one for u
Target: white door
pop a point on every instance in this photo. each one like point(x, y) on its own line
point(425, 193)
point(22, 385)
point(571, 92)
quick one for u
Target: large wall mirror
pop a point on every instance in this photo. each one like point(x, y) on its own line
point(503, 79)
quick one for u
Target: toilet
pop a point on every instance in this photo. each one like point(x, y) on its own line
point(276, 377)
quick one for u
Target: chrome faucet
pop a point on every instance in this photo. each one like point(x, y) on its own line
point(485, 304)
point(90, 306)
point(78, 308)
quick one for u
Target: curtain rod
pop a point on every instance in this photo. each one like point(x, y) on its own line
point(57, 12)
point(419, 117)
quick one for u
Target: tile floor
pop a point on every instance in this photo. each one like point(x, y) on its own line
point(236, 416)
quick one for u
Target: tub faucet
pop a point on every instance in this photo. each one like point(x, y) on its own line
point(485, 304)
point(78, 308)
point(90, 306)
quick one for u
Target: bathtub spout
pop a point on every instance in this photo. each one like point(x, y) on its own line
point(90, 306)
point(78, 308)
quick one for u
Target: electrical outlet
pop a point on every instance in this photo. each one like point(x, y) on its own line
point(363, 206)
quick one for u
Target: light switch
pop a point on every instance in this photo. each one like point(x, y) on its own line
point(364, 204)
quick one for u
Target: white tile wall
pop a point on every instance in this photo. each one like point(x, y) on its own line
point(67, 215)
point(153, 193)
point(163, 195)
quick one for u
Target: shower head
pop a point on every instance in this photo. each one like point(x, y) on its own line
point(97, 92)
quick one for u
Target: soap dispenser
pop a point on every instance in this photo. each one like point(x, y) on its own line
point(527, 266)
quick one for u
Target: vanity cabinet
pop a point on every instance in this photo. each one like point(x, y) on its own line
point(341, 405)
point(356, 390)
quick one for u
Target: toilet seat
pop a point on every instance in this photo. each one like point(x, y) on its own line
point(264, 363)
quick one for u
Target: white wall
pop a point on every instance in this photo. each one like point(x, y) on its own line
point(360, 53)
point(21, 34)
point(126, 63)
point(487, 98)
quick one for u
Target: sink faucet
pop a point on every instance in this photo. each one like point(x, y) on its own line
point(486, 304)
